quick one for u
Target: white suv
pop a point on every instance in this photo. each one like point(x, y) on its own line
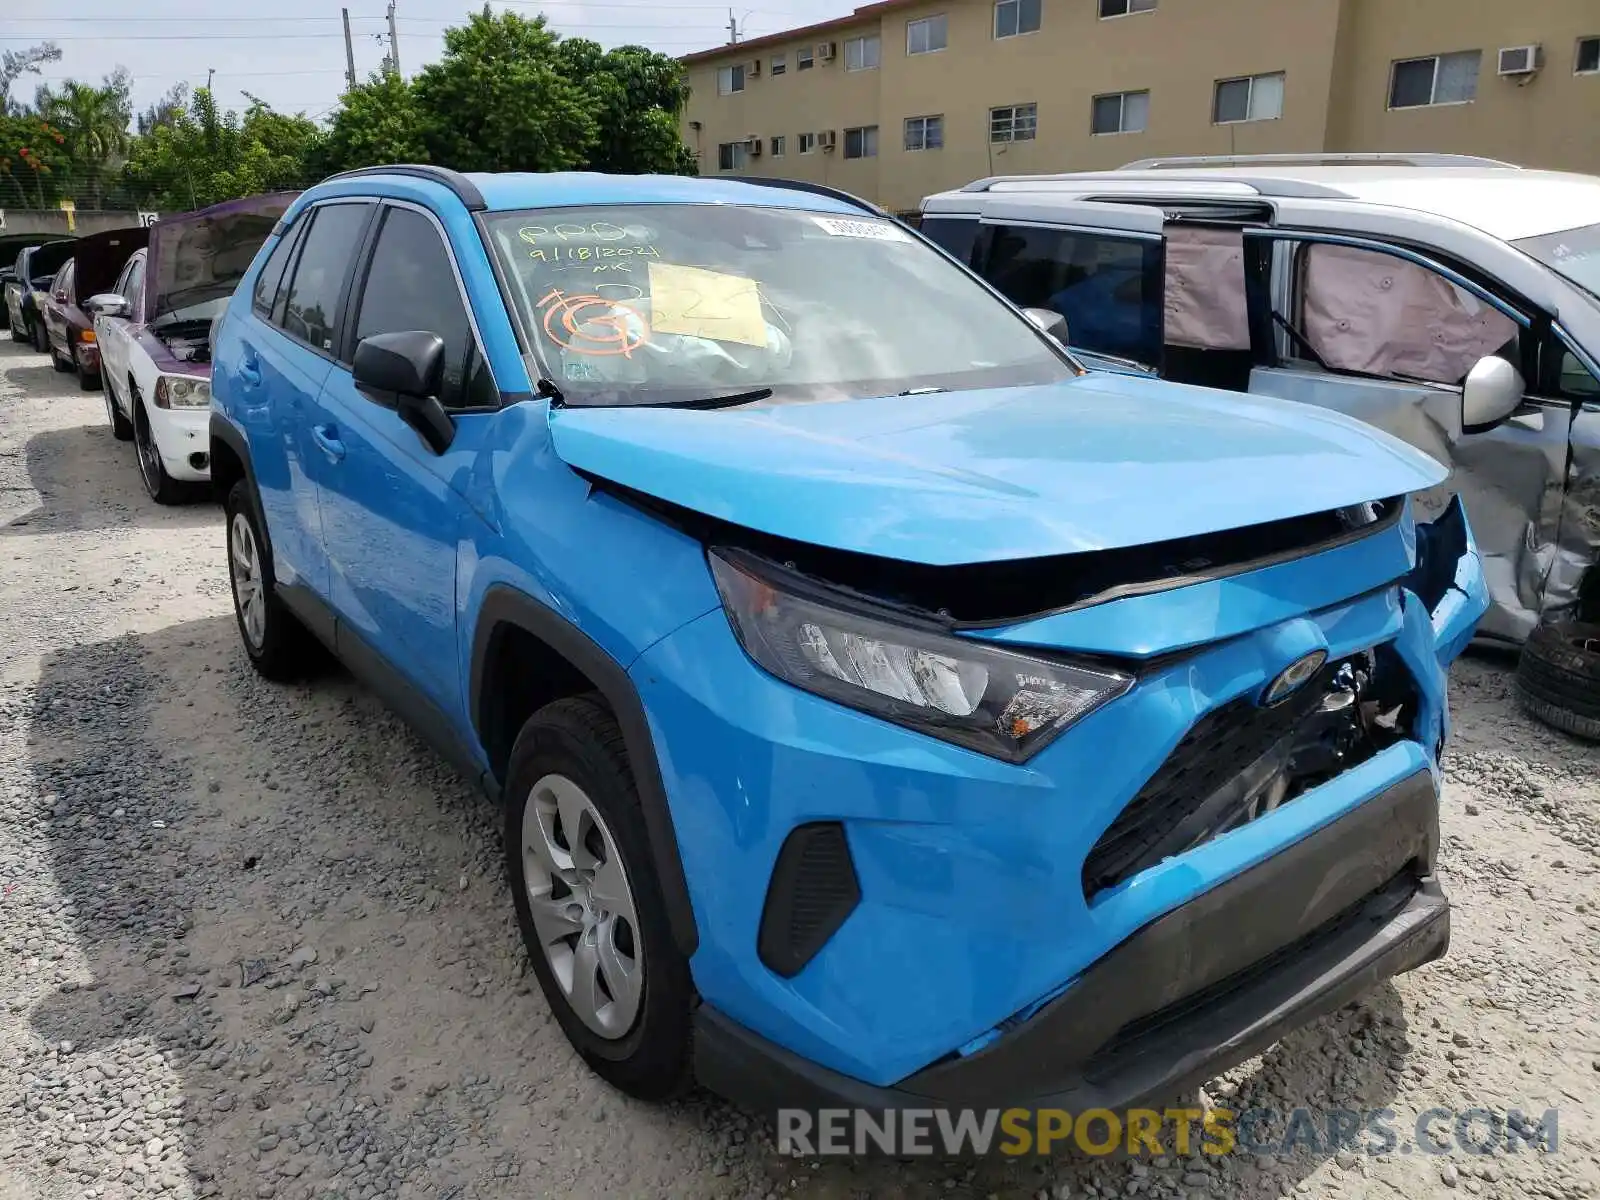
point(1452, 301)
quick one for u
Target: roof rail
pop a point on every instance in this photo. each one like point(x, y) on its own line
point(818, 189)
point(1310, 160)
point(984, 185)
point(466, 191)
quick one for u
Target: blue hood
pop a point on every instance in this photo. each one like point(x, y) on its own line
point(1099, 462)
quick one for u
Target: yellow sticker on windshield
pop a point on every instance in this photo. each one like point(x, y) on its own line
point(708, 304)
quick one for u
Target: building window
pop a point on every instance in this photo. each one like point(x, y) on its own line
point(924, 133)
point(1121, 8)
point(1256, 98)
point(802, 59)
point(808, 143)
point(1589, 56)
point(780, 144)
point(927, 35)
point(1013, 17)
point(780, 63)
point(1014, 123)
point(862, 53)
point(1121, 112)
point(861, 143)
point(732, 156)
point(1441, 79)
point(730, 80)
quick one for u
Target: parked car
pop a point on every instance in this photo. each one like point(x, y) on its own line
point(884, 709)
point(12, 245)
point(154, 332)
point(69, 327)
point(1373, 284)
point(35, 270)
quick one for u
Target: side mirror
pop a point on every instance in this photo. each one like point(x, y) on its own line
point(1493, 390)
point(1050, 321)
point(402, 371)
point(59, 297)
point(108, 304)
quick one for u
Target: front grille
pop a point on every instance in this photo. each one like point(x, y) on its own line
point(1217, 749)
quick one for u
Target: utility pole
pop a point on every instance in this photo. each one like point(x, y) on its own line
point(733, 28)
point(211, 73)
point(349, 53)
point(394, 41)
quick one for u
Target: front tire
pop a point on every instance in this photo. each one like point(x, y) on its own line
point(87, 380)
point(163, 488)
point(40, 337)
point(588, 901)
point(278, 646)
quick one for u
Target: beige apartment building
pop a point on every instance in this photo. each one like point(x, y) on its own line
point(907, 97)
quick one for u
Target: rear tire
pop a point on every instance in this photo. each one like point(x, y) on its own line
point(279, 647)
point(1558, 677)
point(626, 999)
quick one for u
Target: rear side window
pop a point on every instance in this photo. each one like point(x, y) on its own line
point(311, 310)
point(412, 286)
point(266, 290)
point(1108, 288)
point(957, 235)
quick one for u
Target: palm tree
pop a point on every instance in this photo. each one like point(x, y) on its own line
point(95, 122)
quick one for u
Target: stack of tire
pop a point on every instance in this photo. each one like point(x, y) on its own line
point(1558, 677)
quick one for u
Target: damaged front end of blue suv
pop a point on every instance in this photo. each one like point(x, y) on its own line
point(887, 711)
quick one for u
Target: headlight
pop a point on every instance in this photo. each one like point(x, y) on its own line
point(995, 701)
point(182, 391)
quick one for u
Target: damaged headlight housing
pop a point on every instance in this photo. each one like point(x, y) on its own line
point(182, 391)
point(995, 701)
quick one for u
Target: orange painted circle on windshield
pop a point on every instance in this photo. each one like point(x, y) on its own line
point(601, 325)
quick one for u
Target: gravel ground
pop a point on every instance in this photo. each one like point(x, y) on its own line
point(255, 942)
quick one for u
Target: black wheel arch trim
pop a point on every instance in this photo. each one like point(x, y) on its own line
point(504, 605)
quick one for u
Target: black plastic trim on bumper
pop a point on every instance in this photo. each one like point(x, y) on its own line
point(1190, 995)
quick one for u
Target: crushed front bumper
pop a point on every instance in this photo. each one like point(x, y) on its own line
point(1200, 990)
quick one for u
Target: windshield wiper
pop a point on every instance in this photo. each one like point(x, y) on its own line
point(729, 401)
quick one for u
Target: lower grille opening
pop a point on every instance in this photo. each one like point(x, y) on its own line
point(1375, 909)
point(1241, 761)
point(814, 890)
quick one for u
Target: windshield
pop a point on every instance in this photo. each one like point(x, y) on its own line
point(662, 304)
point(1573, 253)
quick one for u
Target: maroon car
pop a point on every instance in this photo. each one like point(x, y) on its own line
point(69, 326)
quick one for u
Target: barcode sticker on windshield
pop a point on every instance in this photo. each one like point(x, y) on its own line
point(880, 231)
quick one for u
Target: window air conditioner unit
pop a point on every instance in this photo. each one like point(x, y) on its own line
point(1520, 60)
point(825, 139)
point(825, 51)
point(752, 145)
point(753, 69)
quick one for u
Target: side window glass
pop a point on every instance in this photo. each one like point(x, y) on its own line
point(957, 235)
point(310, 310)
point(411, 285)
point(133, 284)
point(1576, 379)
point(266, 289)
point(1375, 314)
point(63, 281)
point(1108, 288)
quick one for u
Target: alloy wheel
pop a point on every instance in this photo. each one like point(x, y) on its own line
point(249, 592)
point(582, 906)
point(149, 457)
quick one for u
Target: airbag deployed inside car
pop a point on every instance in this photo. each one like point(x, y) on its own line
point(1378, 315)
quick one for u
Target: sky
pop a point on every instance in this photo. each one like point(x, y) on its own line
point(294, 59)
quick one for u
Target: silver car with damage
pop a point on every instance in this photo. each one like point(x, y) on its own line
point(1452, 301)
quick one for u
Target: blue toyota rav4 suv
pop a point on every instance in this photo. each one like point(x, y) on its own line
point(885, 710)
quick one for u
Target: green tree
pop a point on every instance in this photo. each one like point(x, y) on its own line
point(34, 163)
point(500, 100)
point(377, 122)
point(94, 121)
point(14, 64)
point(165, 110)
point(638, 97)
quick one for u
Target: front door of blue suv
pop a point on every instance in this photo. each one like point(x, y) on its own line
point(883, 709)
